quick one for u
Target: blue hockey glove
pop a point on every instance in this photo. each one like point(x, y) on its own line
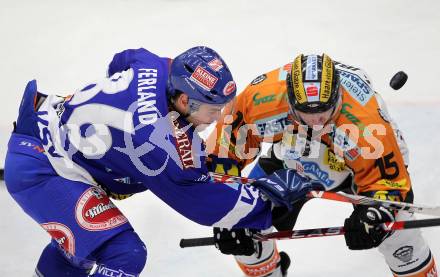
point(285, 186)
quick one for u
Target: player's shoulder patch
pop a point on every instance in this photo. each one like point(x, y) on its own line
point(283, 71)
point(356, 82)
point(259, 79)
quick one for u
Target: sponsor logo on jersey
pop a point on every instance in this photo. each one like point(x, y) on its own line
point(363, 129)
point(353, 153)
point(264, 99)
point(356, 87)
point(404, 253)
point(350, 68)
point(183, 146)
point(146, 87)
point(272, 125)
point(105, 271)
point(393, 184)
point(257, 99)
point(334, 162)
point(95, 212)
point(314, 169)
point(259, 79)
point(229, 88)
point(216, 64)
point(35, 147)
point(203, 78)
point(391, 195)
point(62, 235)
point(45, 134)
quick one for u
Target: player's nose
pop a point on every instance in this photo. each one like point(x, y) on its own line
point(317, 121)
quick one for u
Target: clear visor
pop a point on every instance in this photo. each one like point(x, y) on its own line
point(314, 119)
point(208, 113)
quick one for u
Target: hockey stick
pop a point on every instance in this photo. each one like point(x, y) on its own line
point(343, 197)
point(318, 232)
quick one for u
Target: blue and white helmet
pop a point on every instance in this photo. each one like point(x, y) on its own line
point(203, 75)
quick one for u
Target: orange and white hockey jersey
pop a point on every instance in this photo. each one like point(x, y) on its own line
point(363, 141)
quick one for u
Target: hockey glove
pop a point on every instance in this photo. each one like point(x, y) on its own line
point(284, 187)
point(362, 230)
point(236, 242)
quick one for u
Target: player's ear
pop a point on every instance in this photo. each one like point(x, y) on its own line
point(184, 99)
point(181, 102)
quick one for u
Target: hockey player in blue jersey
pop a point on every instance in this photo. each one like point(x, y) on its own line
point(130, 132)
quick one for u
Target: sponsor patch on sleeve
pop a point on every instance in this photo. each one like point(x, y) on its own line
point(358, 88)
point(259, 79)
point(393, 184)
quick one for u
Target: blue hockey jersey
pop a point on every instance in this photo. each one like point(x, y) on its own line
point(121, 134)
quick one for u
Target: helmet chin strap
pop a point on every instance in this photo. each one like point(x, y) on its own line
point(186, 115)
point(336, 108)
point(298, 117)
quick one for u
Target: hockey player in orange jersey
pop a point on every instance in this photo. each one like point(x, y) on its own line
point(323, 119)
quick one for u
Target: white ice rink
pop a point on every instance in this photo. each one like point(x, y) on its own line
point(65, 44)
